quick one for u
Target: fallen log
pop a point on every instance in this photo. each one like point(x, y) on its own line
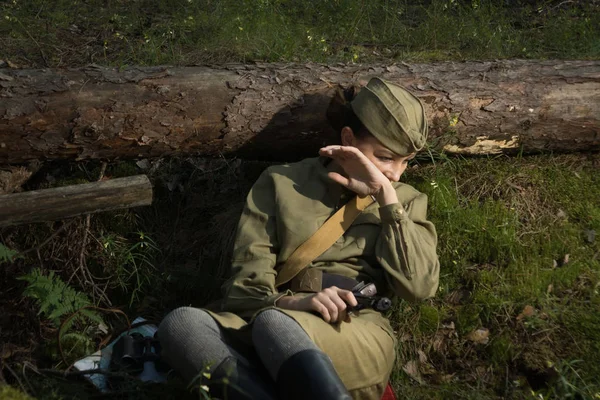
point(70, 201)
point(277, 112)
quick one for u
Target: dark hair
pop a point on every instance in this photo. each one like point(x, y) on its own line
point(340, 114)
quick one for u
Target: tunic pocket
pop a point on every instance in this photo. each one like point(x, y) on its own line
point(365, 234)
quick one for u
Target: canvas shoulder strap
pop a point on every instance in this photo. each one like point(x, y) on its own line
point(322, 239)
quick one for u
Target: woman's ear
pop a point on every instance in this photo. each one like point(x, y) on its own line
point(347, 136)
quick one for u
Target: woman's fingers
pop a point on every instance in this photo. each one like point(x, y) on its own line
point(332, 303)
point(321, 309)
point(348, 297)
point(342, 180)
point(326, 307)
point(342, 152)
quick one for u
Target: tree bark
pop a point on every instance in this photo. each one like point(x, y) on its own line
point(277, 112)
point(70, 201)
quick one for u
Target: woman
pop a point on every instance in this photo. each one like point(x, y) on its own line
point(309, 346)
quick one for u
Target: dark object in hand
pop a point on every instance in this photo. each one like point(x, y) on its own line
point(365, 294)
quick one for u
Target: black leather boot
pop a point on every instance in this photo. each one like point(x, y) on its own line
point(234, 380)
point(310, 375)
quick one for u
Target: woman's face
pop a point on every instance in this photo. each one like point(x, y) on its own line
point(392, 165)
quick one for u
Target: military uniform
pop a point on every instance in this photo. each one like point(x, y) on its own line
point(392, 246)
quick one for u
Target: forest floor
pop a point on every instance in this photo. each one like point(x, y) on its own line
point(516, 315)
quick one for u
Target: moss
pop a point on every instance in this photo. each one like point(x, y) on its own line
point(501, 350)
point(538, 357)
point(122, 169)
point(468, 319)
point(582, 325)
point(429, 319)
point(10, 393)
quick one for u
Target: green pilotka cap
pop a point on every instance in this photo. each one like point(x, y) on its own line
point(393, 115)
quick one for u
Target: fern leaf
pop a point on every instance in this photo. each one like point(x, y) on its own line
point(56, 299)
point(92, 316)
point(7, 255)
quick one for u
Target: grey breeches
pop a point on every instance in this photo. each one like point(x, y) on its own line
point(192, 342)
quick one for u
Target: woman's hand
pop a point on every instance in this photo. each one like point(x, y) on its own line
point(363, 177)
point(331, 303)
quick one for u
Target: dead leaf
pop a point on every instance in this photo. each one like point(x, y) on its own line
point(561, 262)
point(143, 164)
point(589, 235)
point(103, 328)
point(8, 350)
point(458, 296)
point(479, 336)
point(412, 369)
point(448, 325)
point(428, 369)
point(405, 337)
point(13, 178)
point(480, 370)
point(422, 356)
point(439, 342)
point(447, 378)
point(550, 288)
point(528, 311)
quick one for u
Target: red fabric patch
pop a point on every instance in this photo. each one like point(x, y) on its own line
point(389, 393)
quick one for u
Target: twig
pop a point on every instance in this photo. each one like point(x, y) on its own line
point(45, 242)
point(36, 43)
point(79, 91)
point(561, 4)
point(16, 377)
point(39, 258)
point(85, 273)
point(84, 241)
point(31, 390)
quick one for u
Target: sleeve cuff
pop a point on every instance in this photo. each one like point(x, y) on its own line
point(271, 300)
point(393, 213)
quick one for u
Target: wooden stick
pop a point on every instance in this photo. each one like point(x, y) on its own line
point(70, 201)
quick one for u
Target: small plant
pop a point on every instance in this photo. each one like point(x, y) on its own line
point(7, 255)
point(130, 264)
point(569, 384)
point(64, 307)
point(56, 299)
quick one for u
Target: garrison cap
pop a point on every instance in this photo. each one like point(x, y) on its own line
point(393, 115)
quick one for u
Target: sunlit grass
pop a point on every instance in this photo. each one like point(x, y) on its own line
point(512, 237)
point(182, 32)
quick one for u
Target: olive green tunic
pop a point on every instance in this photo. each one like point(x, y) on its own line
point(393, 246)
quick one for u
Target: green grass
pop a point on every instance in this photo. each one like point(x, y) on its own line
point(504, 225)
point(62, 33)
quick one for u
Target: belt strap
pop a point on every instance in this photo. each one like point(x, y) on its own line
point(322, 239)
